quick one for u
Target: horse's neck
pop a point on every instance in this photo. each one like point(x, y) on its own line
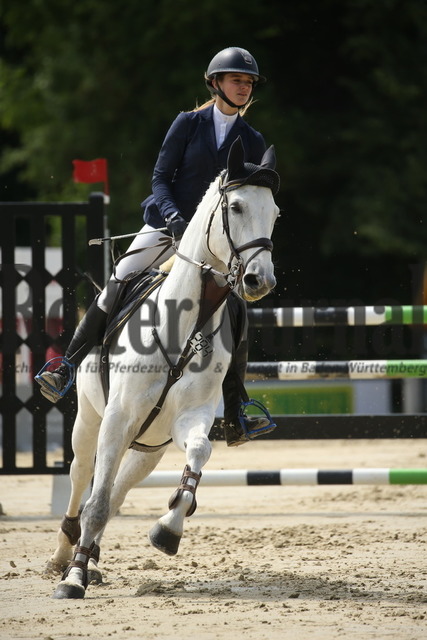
point(180, 299)
point(182, 290)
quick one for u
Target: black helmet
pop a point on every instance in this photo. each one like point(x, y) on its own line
point(234, 59)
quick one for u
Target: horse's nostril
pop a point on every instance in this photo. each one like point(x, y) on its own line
point(251, 280)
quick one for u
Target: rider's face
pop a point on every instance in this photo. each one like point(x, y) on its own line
point(237, 87)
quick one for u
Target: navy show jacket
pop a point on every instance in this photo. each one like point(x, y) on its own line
point(189, 161)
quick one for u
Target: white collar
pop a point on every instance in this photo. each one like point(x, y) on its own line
point(222, 124)
point(221, 118)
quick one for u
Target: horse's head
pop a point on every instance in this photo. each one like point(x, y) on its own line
point(243, 240)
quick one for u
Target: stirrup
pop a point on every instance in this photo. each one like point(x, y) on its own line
point(252, 433)
point(56, 363)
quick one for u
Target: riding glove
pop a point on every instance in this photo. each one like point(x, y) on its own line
point(176, 225)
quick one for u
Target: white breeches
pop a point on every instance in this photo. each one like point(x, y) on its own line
point(151, 257)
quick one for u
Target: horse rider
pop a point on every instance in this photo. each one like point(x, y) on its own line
point(192, 155)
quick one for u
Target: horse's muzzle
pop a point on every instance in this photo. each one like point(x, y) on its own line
point(256, 285)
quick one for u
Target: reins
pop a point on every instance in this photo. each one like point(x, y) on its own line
point(235, 271)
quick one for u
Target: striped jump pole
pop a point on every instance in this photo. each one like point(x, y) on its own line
point(330, 316)
point(352, 369)
point(244, 477)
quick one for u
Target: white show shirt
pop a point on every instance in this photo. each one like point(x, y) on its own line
point(223, 124)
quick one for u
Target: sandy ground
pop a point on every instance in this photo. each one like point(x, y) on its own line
point(322, 562)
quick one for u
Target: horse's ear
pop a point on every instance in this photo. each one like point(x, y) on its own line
point(235, 160)
point(269, 158)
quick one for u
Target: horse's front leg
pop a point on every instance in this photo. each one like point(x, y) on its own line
point(167, 532)
point(112, 445)
point(85, 432)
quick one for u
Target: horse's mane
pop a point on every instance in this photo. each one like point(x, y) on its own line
point(211, 197)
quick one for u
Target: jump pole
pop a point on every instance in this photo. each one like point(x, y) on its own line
point(352, 369)
point(338, 316)
point(244, 478)
point(297, 477)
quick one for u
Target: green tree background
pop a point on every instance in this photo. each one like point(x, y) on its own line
point(345, 107)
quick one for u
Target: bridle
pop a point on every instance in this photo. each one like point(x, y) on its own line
point(263, 244)
point(236, 265)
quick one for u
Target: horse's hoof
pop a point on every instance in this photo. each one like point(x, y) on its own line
point(164, 539)
point(69, 590)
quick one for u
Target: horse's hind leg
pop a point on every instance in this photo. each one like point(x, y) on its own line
point(135, 467)
point(167, 532)
point(84, 438)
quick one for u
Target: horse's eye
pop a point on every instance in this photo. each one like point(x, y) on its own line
point(236, 207)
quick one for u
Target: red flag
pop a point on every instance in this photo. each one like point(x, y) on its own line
point(91, 171)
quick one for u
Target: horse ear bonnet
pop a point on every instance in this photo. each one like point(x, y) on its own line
point(240, 172)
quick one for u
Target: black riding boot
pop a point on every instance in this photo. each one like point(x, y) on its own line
point(88, 334)
point(233, 392)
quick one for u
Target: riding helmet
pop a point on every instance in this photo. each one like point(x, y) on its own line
point(233, 59)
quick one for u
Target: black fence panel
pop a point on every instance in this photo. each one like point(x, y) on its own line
point(29, 326)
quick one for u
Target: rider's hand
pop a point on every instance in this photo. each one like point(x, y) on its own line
point(176, 225)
